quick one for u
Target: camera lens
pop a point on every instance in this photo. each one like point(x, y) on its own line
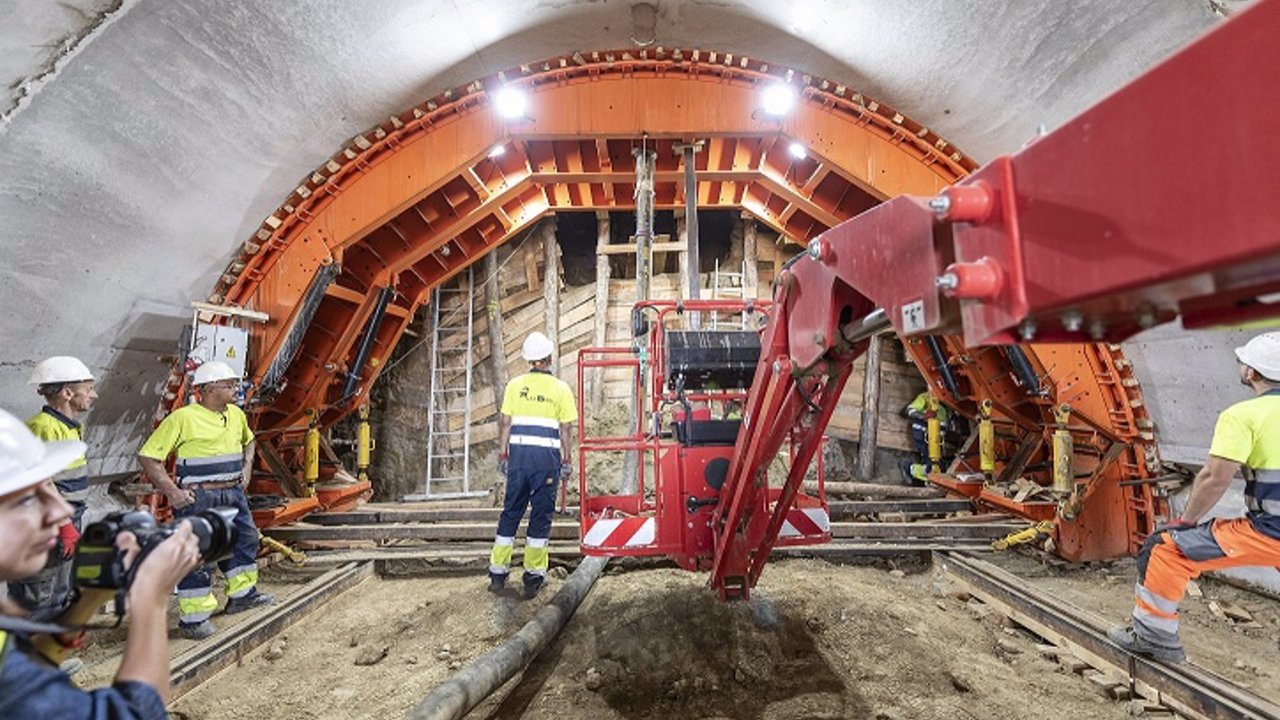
point(216, 532)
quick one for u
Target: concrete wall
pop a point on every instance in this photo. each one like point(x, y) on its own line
point(1187, 379)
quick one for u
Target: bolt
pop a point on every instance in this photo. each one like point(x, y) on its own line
point(947, 281)
point(1072, 320)
point(445, 251)
point(940, 205)
point(1027, 330)
point(815, 248)
point(819, 338)
point(1097, 329)
point(777, 367)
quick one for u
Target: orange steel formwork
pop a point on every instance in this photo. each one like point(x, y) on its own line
point(357, 247)
point(1112, 433)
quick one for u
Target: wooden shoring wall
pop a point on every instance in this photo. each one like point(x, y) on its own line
point(521, 279)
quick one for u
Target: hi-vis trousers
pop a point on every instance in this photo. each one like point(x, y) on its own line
point(535, 489)
point(1170, 558)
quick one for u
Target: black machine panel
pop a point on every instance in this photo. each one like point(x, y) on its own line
point(711, 359)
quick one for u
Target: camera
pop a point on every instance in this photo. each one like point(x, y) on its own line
point(100, 564)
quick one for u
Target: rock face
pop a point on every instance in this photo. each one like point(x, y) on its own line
point(399, 462)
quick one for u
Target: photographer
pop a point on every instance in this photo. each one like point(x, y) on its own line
point(31, 511)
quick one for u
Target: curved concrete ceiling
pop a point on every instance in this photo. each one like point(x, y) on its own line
point(141, 141)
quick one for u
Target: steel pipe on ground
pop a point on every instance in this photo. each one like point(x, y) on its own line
point(472, 684)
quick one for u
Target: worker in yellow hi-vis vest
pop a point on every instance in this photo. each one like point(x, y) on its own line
point(214, 449)
point(919, 412)
point(67, 387)
point(535, 451)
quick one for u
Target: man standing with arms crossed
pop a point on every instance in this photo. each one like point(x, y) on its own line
point(214, 449)
point(535, 449)
point(1246, 438)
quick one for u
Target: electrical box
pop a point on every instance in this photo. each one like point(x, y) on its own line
point(221, 342)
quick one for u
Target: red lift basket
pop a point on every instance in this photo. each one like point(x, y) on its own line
point(691, 385)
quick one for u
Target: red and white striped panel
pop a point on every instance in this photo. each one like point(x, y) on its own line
point(621, 533)
point(805, 522)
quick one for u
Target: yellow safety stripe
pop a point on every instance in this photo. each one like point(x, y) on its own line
point(241, 583)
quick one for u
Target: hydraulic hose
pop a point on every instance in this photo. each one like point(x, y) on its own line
point(940, 359)
point(471, 685)
point(1022, 368)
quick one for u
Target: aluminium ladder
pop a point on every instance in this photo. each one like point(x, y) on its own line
point(449, 401)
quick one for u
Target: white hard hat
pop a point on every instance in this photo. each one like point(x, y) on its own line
point(536, 347)
point(213, 371)
point(25, 460)
point(1262, 353)
point(60, 369)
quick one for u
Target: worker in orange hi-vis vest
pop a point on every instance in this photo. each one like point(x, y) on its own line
point(1246, 438)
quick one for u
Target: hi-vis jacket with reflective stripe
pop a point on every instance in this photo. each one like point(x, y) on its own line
point(50, 425)
point(538, 403)
point(1249, 433)
point(209, 445)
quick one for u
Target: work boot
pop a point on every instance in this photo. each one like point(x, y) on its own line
point(532, 584)
point(248, 602)
point(497, 581)
point(71, 666)
point(197, 631)
point(1126, 637)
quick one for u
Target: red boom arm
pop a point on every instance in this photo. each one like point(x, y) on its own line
point(1155, 204)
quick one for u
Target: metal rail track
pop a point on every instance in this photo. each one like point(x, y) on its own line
point(1187, 689)
point(205, 660)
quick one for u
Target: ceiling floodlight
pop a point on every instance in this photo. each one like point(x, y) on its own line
point(797, 151)
point(511, 102)
point(778, 99)
point(497, 150)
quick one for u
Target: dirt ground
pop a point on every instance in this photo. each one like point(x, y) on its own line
point(816, 641)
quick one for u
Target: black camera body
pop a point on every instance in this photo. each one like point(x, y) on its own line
point(100, 564)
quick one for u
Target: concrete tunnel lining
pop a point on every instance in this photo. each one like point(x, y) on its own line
point(173, 130)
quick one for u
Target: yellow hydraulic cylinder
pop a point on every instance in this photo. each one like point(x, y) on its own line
point(364, 443)
point(1022, 537)
point(986, 440)
point(935, 438)
point(1063, 449)
point(296, 557)
point(311, 459)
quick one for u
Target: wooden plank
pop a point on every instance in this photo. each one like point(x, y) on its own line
point(568, 530)
point(551, 288)
point(390, 513)
point(870, 410)
point(840, 509)
point(875, 490)
point(750, 263)
point(600, 320)
point(562, 530)
point(531, 269)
